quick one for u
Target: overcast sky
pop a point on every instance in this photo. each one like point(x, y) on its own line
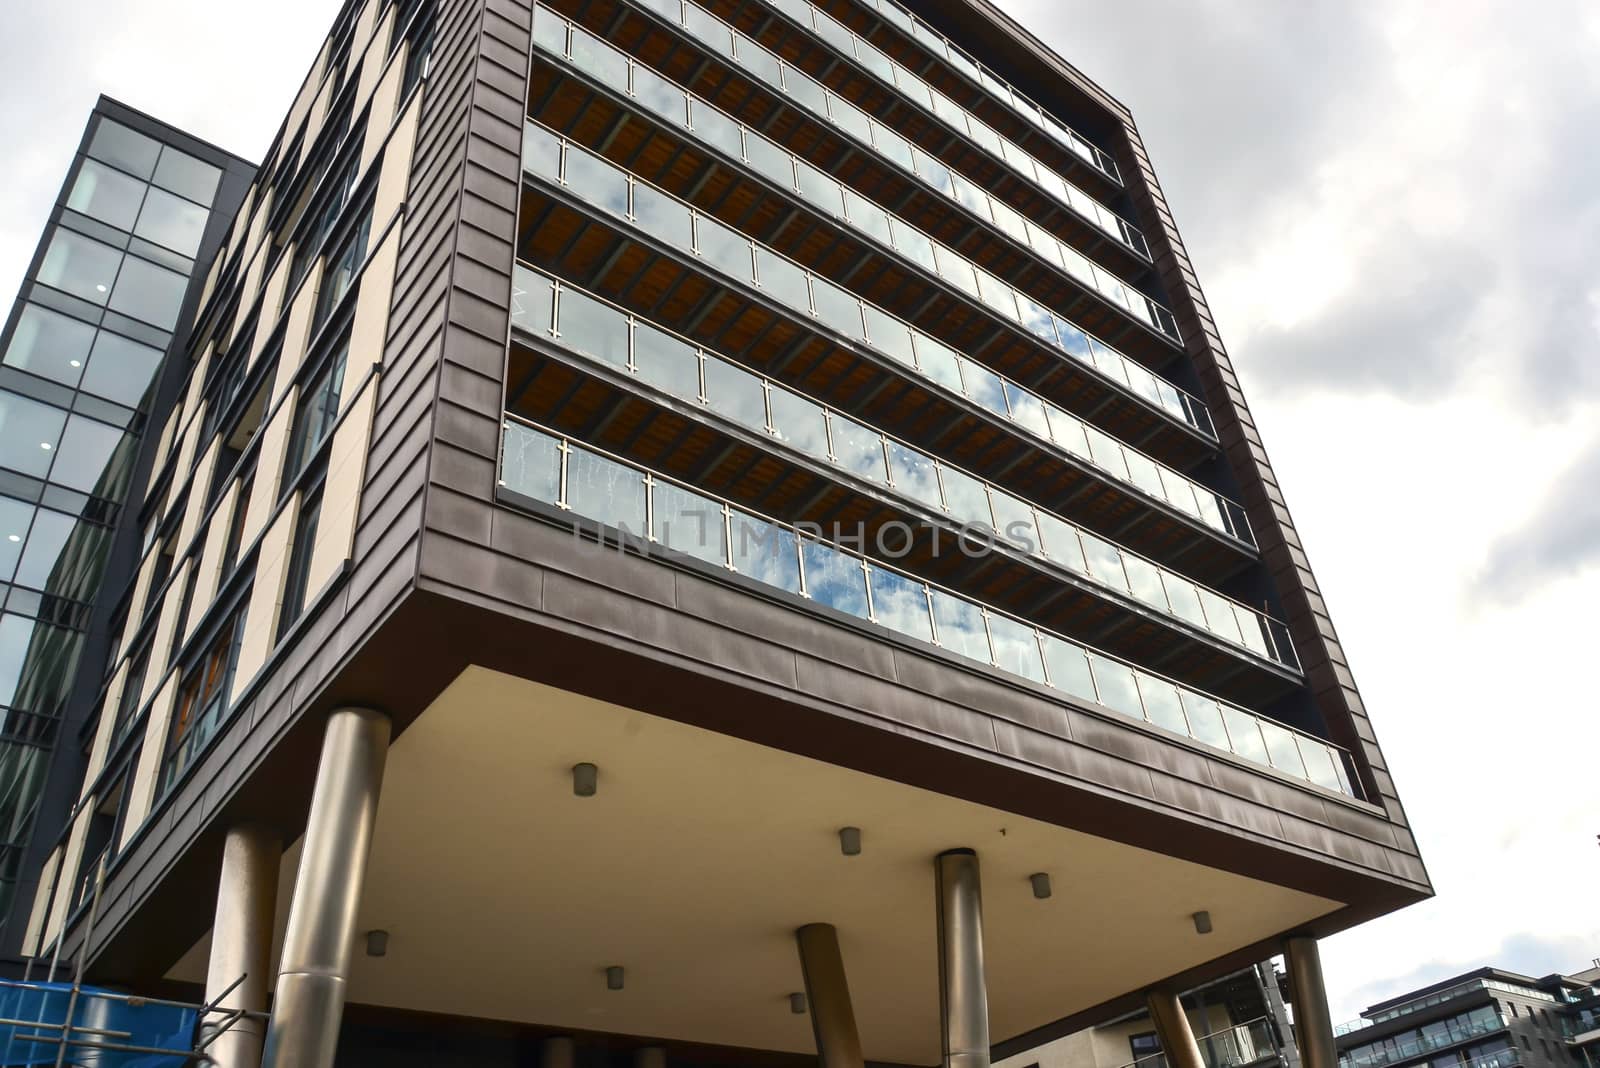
point(1395, 210)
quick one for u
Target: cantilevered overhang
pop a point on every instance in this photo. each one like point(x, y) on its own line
point(506, 897)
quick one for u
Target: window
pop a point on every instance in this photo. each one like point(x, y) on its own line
point(241, 510)
point(341, 273)
point(50, 344)
point(106, 194)
point(1144, 1044)
point(128, 700)
point(316, 412)
point(202, 699)
point(338, 194)
point(300, 550)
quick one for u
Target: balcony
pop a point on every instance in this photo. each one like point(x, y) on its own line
point(1130, 309)
point(1231, 1047)
point(689, 234)
point(930, 490)
point(654, 513)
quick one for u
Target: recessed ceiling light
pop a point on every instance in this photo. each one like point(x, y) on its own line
point(13, 537)
point(1041, 884)
point(75, 363)
point(45, 445)
point(585, 779)
point(1202, 922)
point(100, 289)
point(850, 841)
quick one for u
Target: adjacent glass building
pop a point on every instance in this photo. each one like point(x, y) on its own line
point(655, 505)
point(82, 350)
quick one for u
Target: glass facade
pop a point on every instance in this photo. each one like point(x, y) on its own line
point(76, 376)
point(1433, 1036)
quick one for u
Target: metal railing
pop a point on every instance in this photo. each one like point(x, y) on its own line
point(1228, 1047)
point(543, 465)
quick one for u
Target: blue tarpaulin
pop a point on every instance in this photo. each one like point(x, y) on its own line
point(132, 1023)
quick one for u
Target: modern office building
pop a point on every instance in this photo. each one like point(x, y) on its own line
point(666, 499)
point(1239, 1021)
point(80, 355)
point(1487, 1018)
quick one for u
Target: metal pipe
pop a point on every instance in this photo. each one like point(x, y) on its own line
point(558, 1052)
point(83, 959)
point(963, 991)
point(241, 945)
point(315, 967)
point(1172, 1028)
point(833, 1020)
point(1313, 1024)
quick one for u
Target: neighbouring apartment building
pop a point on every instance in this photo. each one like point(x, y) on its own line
point(1488, 1018)
point(702, 530)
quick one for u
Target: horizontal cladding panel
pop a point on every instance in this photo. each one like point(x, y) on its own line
point(703, 626)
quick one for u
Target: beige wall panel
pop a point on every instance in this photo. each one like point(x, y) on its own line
point(142, 791)
point(32, 938)
point(136, 607)
point(266, 599)
point(369, 324)
point(205, 585)
point(341, 495)
point(395, 177)
point(269, 471)
point(297, 331)
point(195, 510)
point(372, 64)
point(271, 307)
point(70, 859)
point(165, 625)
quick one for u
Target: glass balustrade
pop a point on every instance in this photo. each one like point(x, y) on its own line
point(587, 325)
point(918, 90)
point(540, 465)
point(1437, 1035)
point(766, 157)
point(991, 83)
point(589, 53)
point(599, 182)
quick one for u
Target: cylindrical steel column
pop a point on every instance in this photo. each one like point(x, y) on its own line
point(963, 991)
point(833, 1020)
point(241, 943)
point(1172, 1028)
point(1313, 1025)
point(558, 1052)
point(315, 966)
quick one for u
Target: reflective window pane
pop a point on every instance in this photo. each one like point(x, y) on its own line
point(80, 266)
point(666, 362)
point(806, 89)
point(892, 145)
point(1281, 750)
point(29, 434)
point(837, 308)
point(765, 551)
point(913, 244)
point(956, 270)
point(867, 216)
point(187, 176)
point(173, 222)
point(597, 181)
point(592, 328)
point(659, 95)
point(1144, 581)
point(1014, 520)
point(889, 335)
point(770, 161)
point(858, 449)
point(708, 30)
point(1145, 473)
point(818, 188)
point(1105, 561)
point(915, 474)
point(1244, 733)
point(541, 149)
point(594, 56)
point(120, 369)
point(49, 344)
point(1107, 452)
point(1162, 704)
point(686, 521)
point(1219, 616)
point(799, 421)
point(1015, 648)
point(736, 393)
point(663, 218)
point(900, 604)
point(1250, 630)
point(84, 460)
point(1069, 668)
point(550, 31)
point(717, 129)
point(1205, 719)
point(965, 498)
point(605, 491)
point(996, 294)
point(530, 463)
point(1067, 431)
point(149, 293)
point(939, 362)
point(726, 248)
point(851, 118)
point(124, 148)
point(960, 626)
point(1060, 543)
point(1027, 409)
point(985, 387)
point(15, 516)
point(1184, 598)
point(1322, 764)
point(1118, 691)
point(834, 579)
point(104, 193)
point(785, 281)
point(531, 302)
